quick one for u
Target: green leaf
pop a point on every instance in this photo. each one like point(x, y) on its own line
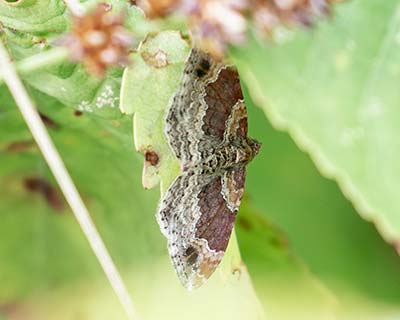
point(98, 153)
point(148, 85)
point(81, 91)
point(340, 249)
point(285, 287)
point(47, 18)
point(34, 16)
point(69, 83)
point(335, 90)
point(146, 92)
point(42, 249)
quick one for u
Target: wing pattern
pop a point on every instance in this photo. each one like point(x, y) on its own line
point(206, 128)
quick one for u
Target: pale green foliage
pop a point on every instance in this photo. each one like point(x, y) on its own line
point(65, 81)
point(148, 86)
point(335, 90)
point(36, 17)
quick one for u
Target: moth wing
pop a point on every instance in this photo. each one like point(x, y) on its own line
point(184, 113)
point(197, 215)
point(236, 124)
point(175, 199)
point(199, 111)
point(233, 187)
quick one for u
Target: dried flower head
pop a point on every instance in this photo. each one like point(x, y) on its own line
point(268, 14)
point(99, 40)
point(157, 8)
point(216, 23)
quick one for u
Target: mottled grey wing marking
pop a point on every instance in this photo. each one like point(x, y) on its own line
point(172, 200)
point(233, 187)
point(183, 117)
point(236, 125)
point(199, 111)
point(178, 214)
point(197, 222)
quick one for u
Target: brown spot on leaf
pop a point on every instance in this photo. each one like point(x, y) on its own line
point(244, 223)
point(78, 113)
point(48, 192)
point(20, 146)
point(41, 41)
point(237, 272)
point(157, 60)
point(151, 157)
point(48, 122)
point(14, 310)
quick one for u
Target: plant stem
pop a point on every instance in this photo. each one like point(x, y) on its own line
point(38, 61)
point(63, 178)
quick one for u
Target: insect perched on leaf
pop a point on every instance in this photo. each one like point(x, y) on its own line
point(206, 128)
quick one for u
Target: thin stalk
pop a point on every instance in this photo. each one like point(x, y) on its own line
point(39, 61)
point(54, 161)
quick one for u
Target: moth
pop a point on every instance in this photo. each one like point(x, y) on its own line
point(206, 128)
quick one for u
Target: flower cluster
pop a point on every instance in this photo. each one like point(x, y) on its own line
point(216, 23)
point(99, 40)
point(157, 8)
point(267, 15)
